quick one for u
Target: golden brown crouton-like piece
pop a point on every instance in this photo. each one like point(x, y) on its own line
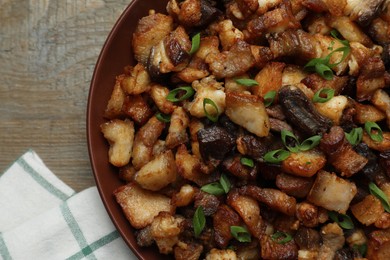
point(332, 192)
point(120, 135)
point(159, 93)
point(304, 164)
point(115, 103)
point(219, 254)
point(158, 173)
point(188, 165)
point(367, 211)
point(150, 30)
point(165, 230)
point(137, 82)
point(382, 146)
point(185, 196)
point(365, 113)
point(141, 206)
point(333, 108)
point(249, 112)
point(144, 141)
point(249, 211)
point(177, 132)
point(269, 78)
point(137, 108)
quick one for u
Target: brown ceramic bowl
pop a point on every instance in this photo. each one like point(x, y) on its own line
point(115, 55)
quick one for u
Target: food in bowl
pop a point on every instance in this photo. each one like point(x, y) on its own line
point(256, 130)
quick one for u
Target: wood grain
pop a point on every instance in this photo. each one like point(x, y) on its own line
point(48, 50)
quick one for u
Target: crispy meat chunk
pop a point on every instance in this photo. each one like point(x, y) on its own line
point(223, 219)
point(340, 152)
point(272, 250)
point(269, 78)
point(275, 199)
point(332, 240)
point(177, 132)
point(150, 30)
point(212, 137)
point(141, 206)
point(367, 211)
point(382, 101)
point(114, 105)
point(333, 108)
point(234, 166)
point(120, 135)
point(187, 251)
point(137, 82)
point(231, 63)
point(137, 109)
point(217, 254)
point(249, 112)
point(304, 164)
point(379, 245)
point(307, 214)
point(332, 192)
point(294, 186)
point(207, 201)
point(158, 94)
point(184, 197)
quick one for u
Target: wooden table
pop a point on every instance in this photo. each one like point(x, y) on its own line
point(48, 50)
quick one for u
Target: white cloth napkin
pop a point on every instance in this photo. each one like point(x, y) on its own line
point(42, 218)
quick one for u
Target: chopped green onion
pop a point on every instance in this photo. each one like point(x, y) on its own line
point(336, 35)
point(362, 249)
point(355, 136)
point(324, 71)
point(276, 156)
point(325, 91)
point(281, 237)
point(225, 183)
point(214, 188)
point(189, 92)
point(198, 221)
point(269, 98)
point(378, 136)
point(212, 118)
point(163, 117)
point(343, 220)
point(247, 82)
point(374, 190)
point(240, 233)
point(310, 143)
point(195, 43)
point(285, 134)
point(247, 162)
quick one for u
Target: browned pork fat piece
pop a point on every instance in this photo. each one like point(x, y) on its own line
point(300, 111)
point(307, 238)
point(193, 13)
point(207, 201)
point(252, 146)
point(362, 11)
point(234, 166)
point(294, 186)
point(378, 246)
point(332, 192)
point(295, 43)
point(150, 31)
point(136, 107)
point(275, 199)
point(308, 214)
point(385, 162)
point(214, 142)
point(187, 251)
point(332, 240)
point(340, 152)
point(271, 249)
point(223, 219)
point(231, 63)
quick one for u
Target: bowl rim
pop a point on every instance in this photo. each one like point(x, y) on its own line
point(97, 69)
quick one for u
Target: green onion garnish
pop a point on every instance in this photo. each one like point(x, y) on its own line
point(310, 143)
point(218, 188)
point(163, 117)
point(198, 221)
point(325, 91)
point(212, 118)
point(240, 233)
point(247, 82)
point(195, 43)
point(355, 136)
point(378, 136)
point(189, 92)
point(281, 237)
point(343, 220)
point(374, 190)
point(285, 134)
point(247, 162)
point(362, 249)
point(276, 156)
point(269, 98)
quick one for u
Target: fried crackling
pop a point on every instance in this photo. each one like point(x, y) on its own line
point(117, 98)
point(378, 246)
point(332, 240)
point(333, 108)
point(382, 101)
point(150, 31)
point(307, 214)
point(249, 112)
point(177, 132)
point(144, 141)
point(221, 254)
point(165, 230)
point(340, 152)
point(137, 82)
point(223, 219)
point(187, 251)
point(294, 186)
point(249, 211)
point(275, 199)
point(137, 108)
point(382, 146)
point(157, 173)
point(270, 249)
point(141, 206)
point(269, 78)
point(120, 135)
point(365, 113)
point(332, 192)
point(304, 164)
point(158, 93)
point(184, 196)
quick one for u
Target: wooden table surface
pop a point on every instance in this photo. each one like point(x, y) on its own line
point(48, 50)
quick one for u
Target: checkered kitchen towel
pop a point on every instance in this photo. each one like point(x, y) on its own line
point(42, 218)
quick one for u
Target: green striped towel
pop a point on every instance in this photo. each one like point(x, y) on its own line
point(42, 218)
